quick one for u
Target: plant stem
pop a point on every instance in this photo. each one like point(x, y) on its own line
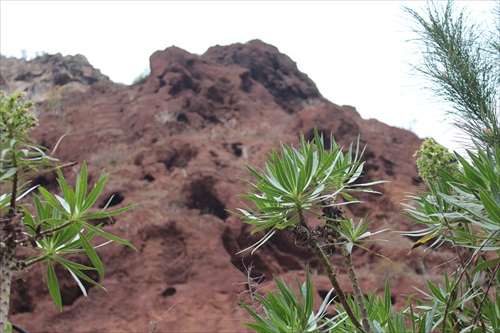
point(355, 286)
point(9, 226)
point(46, 232)
point(34, 261)
point(7, 265)
point(15, 179)
point(332, 275)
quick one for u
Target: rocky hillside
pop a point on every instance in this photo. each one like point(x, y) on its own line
point(47, 76)
point(177, 143)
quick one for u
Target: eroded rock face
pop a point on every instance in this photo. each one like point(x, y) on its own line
point(48, 76)
point(266, 65)
point(177, 144)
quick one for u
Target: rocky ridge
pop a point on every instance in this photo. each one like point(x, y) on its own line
point(176, 143)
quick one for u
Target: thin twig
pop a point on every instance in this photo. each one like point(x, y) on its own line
point(155, 323)
point(478, 312)
point(251, 283)
point(355, 286)
point(464, 272)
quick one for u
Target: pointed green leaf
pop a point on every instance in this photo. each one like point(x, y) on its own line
point(69, 194)
point(490, 205)
point(77, 270)
point(81, 186)
point(102, 215)
point(29, 221)
point(50, 199)
point(73, 265)
point(94, 193)
point(64, 204)
point(486, 264)
point(108, 235)
point(254, 173)
point(10, 172)
point(92, 254)
point(53, 285)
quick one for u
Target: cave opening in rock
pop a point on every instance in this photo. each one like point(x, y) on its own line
point(113, 200)
point(202, 196)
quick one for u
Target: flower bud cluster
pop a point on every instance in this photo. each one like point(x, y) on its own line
point(434, 158)
point(16, 116)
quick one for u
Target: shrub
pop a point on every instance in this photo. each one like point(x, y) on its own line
point(59, 224)
point(298, 185)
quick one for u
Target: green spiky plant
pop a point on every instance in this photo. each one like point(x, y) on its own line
point(313, 182)
point(59, 224)
point(285, 312)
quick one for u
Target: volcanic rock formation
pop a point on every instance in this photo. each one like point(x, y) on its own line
point(177, 144)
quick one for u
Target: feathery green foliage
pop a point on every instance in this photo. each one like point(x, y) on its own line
point(460, 61)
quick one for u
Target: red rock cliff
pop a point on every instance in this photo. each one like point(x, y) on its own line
point(177, 143)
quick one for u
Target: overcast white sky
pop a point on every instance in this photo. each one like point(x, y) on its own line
point(355, 51)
